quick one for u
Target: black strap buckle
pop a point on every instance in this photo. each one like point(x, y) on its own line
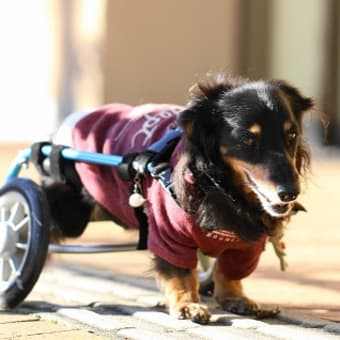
point(163, 173)
point(55, 165)
point(134, 164)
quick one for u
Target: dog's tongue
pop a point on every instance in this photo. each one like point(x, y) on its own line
point(298, 207)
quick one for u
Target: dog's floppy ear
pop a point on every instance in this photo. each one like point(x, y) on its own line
point(298, 102)
point(199, 125)
point(200, 120)
point(211, 88)
point(203, 104)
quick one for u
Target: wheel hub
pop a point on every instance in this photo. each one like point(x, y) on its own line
point(8, 240)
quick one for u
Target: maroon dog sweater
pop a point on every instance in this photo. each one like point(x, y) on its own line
point(173, 235)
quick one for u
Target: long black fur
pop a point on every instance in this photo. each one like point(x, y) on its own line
point(204, 122)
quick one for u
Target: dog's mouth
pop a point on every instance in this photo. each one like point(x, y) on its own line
point(273, 208)
point(281, 209)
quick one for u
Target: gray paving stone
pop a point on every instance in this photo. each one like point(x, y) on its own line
point(103, 322)
point(226, 333)
point(292, 332)
point(91, 284)
point(151, 300)
point(66, 294)
point(301, 319)
point(333, 327)
point(165, 320)
point(247, 323)
point(138, 334)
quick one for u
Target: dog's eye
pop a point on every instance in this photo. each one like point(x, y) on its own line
point(291, 137)
point(249, 141)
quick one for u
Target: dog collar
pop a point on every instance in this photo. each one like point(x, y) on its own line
point(206, 181)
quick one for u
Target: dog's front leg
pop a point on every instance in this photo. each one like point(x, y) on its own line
point(230, 296)
point(181, 290)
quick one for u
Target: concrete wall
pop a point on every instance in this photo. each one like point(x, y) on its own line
point(157, 49)
point(298, 43)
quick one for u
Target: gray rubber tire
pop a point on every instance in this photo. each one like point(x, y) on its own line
point(24, 238)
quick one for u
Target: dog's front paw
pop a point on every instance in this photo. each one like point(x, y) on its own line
point(239, 305)
point(195, 312)
point(244, 306)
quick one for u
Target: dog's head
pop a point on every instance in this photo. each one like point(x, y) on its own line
point(254, 129)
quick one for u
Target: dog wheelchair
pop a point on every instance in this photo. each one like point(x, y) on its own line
point(25, 222)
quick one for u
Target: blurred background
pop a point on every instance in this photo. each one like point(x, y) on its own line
point(58, 56)
point(64, 55)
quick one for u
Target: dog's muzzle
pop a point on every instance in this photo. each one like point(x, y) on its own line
point(277, 203)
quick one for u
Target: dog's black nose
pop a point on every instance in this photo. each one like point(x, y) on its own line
point(287, 194)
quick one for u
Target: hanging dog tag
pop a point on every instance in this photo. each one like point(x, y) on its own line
point(136, 200)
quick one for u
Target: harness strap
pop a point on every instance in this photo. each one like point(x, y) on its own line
point(55, 165)
point(153, 162)
point(143, 228)
point(37, 158)
point(163, 173)
point(124, 169)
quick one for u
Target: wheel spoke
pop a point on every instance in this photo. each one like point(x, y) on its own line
point(21, 224)
point(4, 214)
point(17, 213)
point(17, 258)
point(5, 269)
point(13, 265)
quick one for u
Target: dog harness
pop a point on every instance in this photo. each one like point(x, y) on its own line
point(173, 234)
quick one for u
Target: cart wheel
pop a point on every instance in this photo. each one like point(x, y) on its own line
point(24, 236)
point(205, 273)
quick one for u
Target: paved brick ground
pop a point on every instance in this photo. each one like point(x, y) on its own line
point(25, 325)
point(309, 291)
point(75, 302)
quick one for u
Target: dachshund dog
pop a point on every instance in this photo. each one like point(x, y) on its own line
point(236, 179)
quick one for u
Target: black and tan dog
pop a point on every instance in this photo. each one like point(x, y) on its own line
point(236, 177)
